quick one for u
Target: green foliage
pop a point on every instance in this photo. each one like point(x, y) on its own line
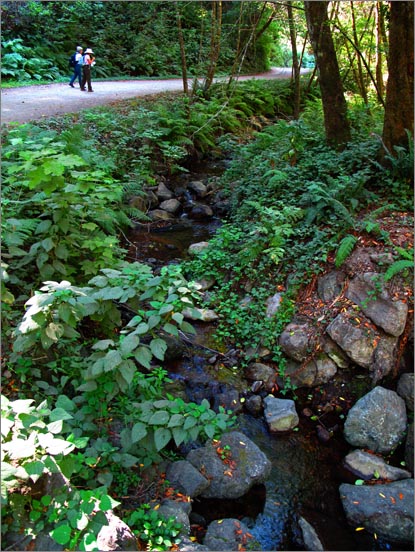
point(345, 248)
point(153, 529)
point(405, 264)
point(23, 63)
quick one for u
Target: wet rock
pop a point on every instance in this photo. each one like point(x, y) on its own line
point(309, 535)
point(163, 193)
point(409, 448)
point(258, 372)
point(367, 291)
point(186, 545)
point(250, 466)
point(365, 465)
point(172, 206)
point(206, 283)
point(363, 344)
point(295, 341)
point(387, 510)
point(196, 248)
point(229, 400)
point(334, 352)
point(229, 534)
point(198, 188)
point(204, 315)
point(406, 390)
point(186, 478)
point(179, 511)
point(330, 285)
point(280, 414)
point(116, 535)
point(254, 405)
point(199, 211)
point(377, 421)
point(310, 374)
point(273, 304)
point(159, 214)
point(323, 434)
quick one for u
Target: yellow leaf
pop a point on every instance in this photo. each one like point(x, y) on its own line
point(220, 521)
point(359, 529)
point(156, 507)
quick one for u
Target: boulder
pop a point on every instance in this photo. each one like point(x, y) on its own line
point(377, 421)
point(409, 448)
point(368, 466)
point(116, 535)
point(186, 478)
point(405, 389)
point(314, 372)
point(256, 371)
point(363, 344)
point(367, 291)
point(387, 510)
point(163, 192)
point(330, 285)
point(170, 205)
point(248, 466)
point(280, 414)
point(309, 535)
point(196, 248)
point(295, 341)
point(229, 534)
point(199, 211)
point(177, 510)
point(198, 188)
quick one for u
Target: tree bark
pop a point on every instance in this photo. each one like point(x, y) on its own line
point(182, 50)
point(334, 104)
point(214, 42)
point(296, 65)
point(399, 109)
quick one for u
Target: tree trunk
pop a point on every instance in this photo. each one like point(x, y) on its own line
point(214, 42)
point(360, 79)
point(334, 105)
point(399, 109)
point(182, 51)
point(296, 66)
point(380, 25)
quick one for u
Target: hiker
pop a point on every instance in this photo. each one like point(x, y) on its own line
point(76, 63)
point(88, 61)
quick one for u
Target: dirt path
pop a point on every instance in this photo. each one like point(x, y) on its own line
point(31, 103)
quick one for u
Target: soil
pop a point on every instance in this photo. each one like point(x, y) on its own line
point(32, 103)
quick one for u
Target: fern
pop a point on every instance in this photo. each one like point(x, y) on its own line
point(345, 248)
point(17, 231)
point(397, 267)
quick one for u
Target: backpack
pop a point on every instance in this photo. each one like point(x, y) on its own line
point(72, 62)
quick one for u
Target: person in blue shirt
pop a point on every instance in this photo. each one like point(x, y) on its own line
point(77, 70)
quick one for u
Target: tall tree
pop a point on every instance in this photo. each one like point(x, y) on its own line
point(296, 64)
point(399, 109)
point(334, 104)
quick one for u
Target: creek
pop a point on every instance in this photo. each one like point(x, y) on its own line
point(306, 470)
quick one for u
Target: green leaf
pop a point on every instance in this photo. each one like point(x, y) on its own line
point(111, 360)
point(162, 436)
point(176, 420)
point(210, 430)
point(179, 435)
point(158, 348)
point(161, 417)
point(143, 356)
point(359, 482)
point(61, 534)
point(60, 414)
point(129, 344)
point(138, 432)
point(35, 469)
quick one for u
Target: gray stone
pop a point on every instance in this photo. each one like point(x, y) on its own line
point(159, 214)
point(309, 374)
point(310, 538)
point(186, 478)
point(409, 448)
point(254, 405)
point(295, 341)
point(280, 414)
point(203, 315)
point(387, 510)
point(163, 192)
point(406, 390)
point(366, 465)
point(196, 248)
point(177, 510)
point(171, 206)
point(229, 534)
point(199, 211)
point(330, 285)
point(377, 421)
point(258, 371)
point(377, 304)
point(116, 535)
point(273, 304)
point(198, 188)
point(250, 467)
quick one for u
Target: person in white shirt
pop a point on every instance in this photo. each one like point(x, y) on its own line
point(77, 70)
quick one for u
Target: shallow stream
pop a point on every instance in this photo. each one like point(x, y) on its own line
point(306, 472)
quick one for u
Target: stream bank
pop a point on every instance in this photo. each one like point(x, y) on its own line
point(307, 463)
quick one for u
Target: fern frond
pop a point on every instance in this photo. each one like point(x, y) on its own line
point(345, 248)
point(397, 267)
point(17, 231)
